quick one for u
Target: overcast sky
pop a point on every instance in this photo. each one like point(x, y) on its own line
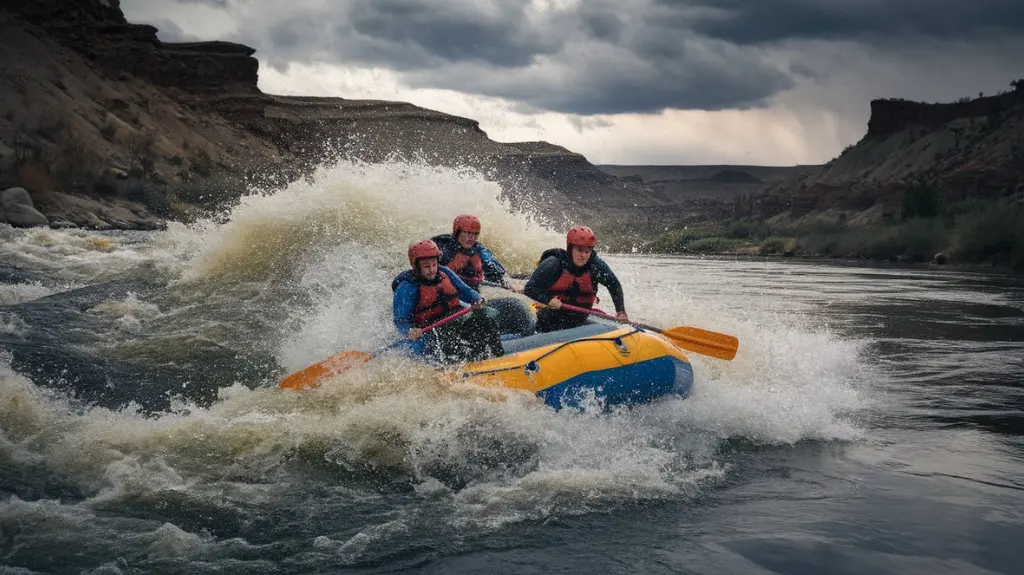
point(770, 82)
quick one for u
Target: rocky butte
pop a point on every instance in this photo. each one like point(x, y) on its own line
point(972, 149)
point(106, 126)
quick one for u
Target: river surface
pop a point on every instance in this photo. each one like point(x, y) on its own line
point(872, 421)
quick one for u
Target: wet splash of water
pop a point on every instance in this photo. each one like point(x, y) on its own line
point(381, 208)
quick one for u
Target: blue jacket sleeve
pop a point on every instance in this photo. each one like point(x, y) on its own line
point(493, 270)
point(466, 293)
point(402, 306)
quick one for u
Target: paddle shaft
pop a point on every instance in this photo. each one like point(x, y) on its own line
point(702, 341)
point(425, 329)
point(314, 374)
point(612, 317)
point(602, 314)
point(443, 321)
point(698, 340)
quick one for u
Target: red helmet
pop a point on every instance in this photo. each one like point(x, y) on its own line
point(422, 249)
point(581, 236)
point(465, 223)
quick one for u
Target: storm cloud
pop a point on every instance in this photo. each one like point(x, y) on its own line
point(593, 57)
point(877, 22)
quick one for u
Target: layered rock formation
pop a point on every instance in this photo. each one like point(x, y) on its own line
point(98, 30)
point(972, 149)
point(90, 87)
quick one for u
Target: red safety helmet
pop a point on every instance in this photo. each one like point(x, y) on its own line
point(422, 249)
point(465, 223)
point(581, 236)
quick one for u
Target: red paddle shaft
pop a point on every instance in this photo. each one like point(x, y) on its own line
point(441, 322)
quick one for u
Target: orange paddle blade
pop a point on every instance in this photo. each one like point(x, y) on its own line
point(703, 341)
point(315, 374)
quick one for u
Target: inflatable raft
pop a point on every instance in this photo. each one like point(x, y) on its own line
point(610, 364)
point(595, 364)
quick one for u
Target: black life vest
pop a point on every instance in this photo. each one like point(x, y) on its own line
point(574, 286)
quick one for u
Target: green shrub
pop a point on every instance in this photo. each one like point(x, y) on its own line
point(812, 224)
point(992, 235)
point(779, 245)
point(712, 245)
point(676, 241)
point(920, 200)
point(972, 231)
point(748, 230)
point(916, 240)
point(149, 194)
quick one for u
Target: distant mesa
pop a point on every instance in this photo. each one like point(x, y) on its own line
point(734, 177)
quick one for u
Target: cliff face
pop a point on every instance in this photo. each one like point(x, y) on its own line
point(893, 115)
point(956, 151)
point(179, 113)
point(98, 30)
point(64, 13)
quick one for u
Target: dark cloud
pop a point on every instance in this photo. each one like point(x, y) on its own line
point(760, 21)
point(623, 93)
point(606, 56)
point(593, 59)
point(609, 82)
point(217, 3)
point(495, 32)
point(602, 24)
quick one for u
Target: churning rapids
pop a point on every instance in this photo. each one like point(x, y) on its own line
point(871, 422)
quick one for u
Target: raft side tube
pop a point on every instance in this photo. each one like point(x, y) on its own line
point(612, 364)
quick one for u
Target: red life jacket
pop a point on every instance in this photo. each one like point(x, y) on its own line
point(436, 300)
point(468, 267)
point(578, 290)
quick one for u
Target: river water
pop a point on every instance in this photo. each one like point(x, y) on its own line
point(872, 421)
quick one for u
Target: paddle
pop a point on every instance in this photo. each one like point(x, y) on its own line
point(694, 339)
point(315, 374)
point(702, 341)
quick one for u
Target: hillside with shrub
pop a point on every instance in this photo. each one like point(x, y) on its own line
point(925, 180)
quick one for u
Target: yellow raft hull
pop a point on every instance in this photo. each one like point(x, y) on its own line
point(608, 365)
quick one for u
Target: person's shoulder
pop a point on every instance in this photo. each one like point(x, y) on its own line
point(556, 253)
point(599, 262)
point(601, 266)
point(443, 239)
point(406, 277)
